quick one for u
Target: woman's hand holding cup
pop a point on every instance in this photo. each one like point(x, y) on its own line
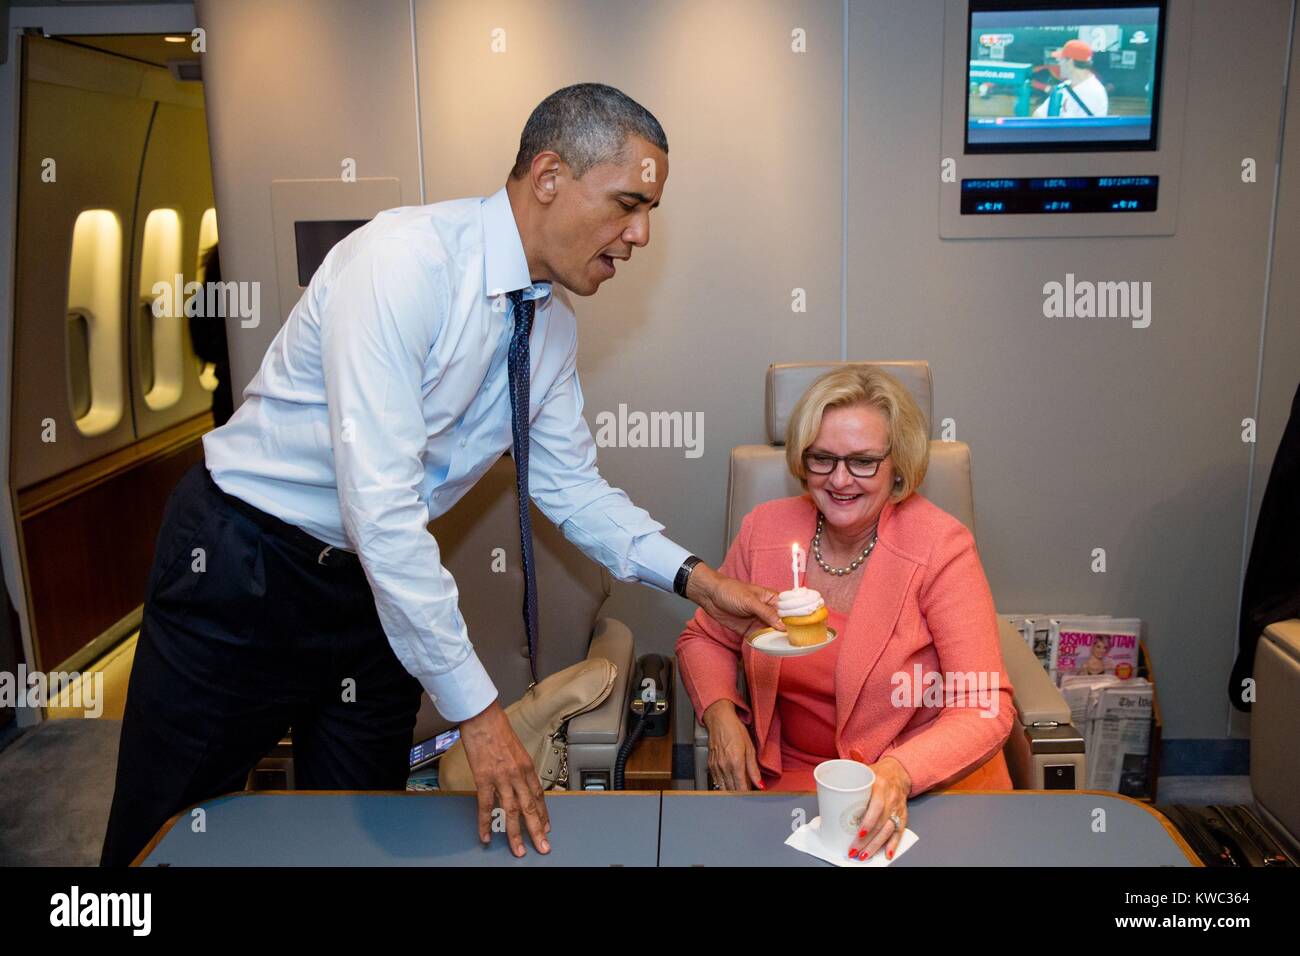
point(888, 799)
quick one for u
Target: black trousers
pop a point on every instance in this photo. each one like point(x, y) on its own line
point(246, 633)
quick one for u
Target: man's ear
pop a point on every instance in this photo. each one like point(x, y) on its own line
point(544, 172)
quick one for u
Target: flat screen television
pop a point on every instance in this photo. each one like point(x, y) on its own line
point(1048, 77)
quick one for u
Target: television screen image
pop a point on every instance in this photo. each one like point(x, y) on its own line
point(1063, 79)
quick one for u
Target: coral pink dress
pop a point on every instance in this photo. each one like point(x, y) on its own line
point(807, 713)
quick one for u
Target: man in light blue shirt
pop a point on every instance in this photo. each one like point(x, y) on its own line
point(381, 401)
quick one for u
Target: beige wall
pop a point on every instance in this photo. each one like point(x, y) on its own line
point(1090, 434)
point(1083, 435)
point(293, 89)
point(751, 210)
point(1279, 345)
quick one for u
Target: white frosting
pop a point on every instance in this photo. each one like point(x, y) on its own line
point(798, 602)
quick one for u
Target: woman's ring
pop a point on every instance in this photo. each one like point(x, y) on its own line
point(896, 821)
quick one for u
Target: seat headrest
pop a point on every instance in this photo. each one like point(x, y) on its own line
point(787, 382)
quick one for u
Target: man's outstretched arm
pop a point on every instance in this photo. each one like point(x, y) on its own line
point(603, 522)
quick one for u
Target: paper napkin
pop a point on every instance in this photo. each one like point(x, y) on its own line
point(807, 839)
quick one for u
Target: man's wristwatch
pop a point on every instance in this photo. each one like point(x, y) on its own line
point(684, 574)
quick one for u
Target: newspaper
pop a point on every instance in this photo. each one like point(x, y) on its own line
point(1080, 693)
point(1118, 740)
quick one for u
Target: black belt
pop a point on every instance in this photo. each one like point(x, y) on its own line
point(309, 545)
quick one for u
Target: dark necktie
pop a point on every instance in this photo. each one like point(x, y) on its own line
point(519, 406)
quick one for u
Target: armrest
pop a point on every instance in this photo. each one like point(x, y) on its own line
point(701, 734)
point(1046, 752)
point(611, 640)
point(1275, 725)
point(701, 753)
point(1286, 636)
point(1038, 700)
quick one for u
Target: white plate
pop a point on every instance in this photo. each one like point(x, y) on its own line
point(777, 643)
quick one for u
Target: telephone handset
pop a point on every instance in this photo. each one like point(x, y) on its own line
point(649, 702)
point(651, 693)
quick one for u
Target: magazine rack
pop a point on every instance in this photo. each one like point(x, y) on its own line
point(1153, 763)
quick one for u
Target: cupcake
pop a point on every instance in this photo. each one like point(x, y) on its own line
point(804, 614)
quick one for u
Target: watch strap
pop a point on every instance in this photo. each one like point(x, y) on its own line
point(684, 574)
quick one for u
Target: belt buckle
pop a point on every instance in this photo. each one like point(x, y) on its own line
point(325, 553)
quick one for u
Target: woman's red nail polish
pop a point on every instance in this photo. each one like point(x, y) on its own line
point(862, 833)
point(890, 855)
point(853, 854)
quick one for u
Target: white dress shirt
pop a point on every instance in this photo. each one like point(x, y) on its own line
point(384, 397)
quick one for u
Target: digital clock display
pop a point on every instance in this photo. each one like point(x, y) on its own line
point(1059, 194)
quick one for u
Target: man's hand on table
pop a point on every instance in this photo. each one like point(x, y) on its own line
point(505, 776)
point(733, 604)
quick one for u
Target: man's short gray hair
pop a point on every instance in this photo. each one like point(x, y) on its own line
point(586, 124)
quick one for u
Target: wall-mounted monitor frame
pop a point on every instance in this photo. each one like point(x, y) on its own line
point(1027, 93)
point(1157, 158)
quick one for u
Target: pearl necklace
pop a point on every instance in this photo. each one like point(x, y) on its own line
point(839, 572)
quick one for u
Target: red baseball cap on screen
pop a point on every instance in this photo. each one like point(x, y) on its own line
point(1074, 50)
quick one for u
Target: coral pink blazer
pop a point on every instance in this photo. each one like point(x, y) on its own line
point(923, 599)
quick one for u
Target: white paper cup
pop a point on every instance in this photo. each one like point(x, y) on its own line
point(843, 792)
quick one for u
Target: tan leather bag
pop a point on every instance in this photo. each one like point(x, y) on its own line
point(538, 719)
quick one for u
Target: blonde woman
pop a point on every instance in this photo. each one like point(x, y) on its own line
point(906, 592)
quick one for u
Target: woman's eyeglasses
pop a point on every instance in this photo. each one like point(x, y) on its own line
point(860, 466)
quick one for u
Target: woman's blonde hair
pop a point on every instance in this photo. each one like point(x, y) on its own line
point(909, 432)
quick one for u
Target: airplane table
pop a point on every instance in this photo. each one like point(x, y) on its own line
point(683, 828)
point(342, 828)
point(957, 828)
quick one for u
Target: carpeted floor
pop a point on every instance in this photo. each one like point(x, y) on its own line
point(8, 733)
point(56, 785)
point(1202, 791)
